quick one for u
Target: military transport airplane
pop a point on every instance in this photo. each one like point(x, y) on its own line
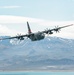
point(38, 35)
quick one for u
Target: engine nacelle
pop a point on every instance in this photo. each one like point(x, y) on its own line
point(20, 38)
point(50, 32)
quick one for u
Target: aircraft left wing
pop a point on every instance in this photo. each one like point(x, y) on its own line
point(56, 29)
point(17, 37)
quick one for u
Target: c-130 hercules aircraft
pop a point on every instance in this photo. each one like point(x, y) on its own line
point(38, 35)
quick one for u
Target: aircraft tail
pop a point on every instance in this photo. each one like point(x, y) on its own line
point(29, 30)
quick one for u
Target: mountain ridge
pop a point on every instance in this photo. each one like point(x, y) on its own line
point(52, 51)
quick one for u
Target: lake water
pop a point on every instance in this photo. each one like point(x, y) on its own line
point(36, 73)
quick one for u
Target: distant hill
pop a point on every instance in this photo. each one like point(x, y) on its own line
point(52, 53)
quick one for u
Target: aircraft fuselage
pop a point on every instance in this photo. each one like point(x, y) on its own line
point(36, 36)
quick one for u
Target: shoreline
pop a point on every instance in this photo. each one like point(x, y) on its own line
point(36, 70)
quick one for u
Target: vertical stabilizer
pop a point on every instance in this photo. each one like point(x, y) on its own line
point(29, 30)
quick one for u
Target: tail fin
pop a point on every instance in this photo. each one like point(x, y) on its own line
point(29, 30)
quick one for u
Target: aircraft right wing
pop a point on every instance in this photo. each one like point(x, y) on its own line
point(50, 31)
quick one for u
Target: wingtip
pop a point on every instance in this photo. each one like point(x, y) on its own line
point(72, 24)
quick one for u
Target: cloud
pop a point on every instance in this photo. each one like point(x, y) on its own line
point(7, 7)
point(4, 30)
point(36, 24)
point(17, 19)
point(20, 19)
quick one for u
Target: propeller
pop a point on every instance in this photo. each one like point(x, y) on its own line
point(19, 37)
point(46, 30)
point(18, 34)
point(57, 29)
point(18, 40)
